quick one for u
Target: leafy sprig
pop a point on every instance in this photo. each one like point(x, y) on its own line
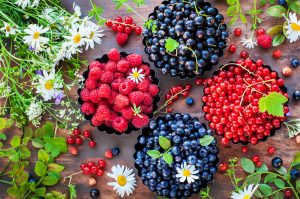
point(97, 12)
point(235, 12)
point(164, 143)
point(272, 104)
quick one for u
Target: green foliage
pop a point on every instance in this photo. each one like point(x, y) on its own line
point(272, 104)
point(247, 165)
point(151, 25)
point(293, 127)
point(165, 144)
point(206, 140)
point(97, 12)
point(171, 45)
point(235, 12)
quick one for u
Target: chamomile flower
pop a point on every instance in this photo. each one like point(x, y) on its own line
point(94, 34)
point(125, 181)
point(34, 38)
point(77, 37)
point(249, 42)
point(23, 3)
point(9, 30)
point(48, 85)
point(136, 75)
point(77, 10)
point(293, 27)
point(187, 172)
point(247, 193)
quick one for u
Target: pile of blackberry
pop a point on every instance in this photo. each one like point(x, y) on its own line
point(194, 24)
point(184, 133)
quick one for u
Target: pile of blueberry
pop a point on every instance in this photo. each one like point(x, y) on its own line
point(195, 25)
point(184, 133)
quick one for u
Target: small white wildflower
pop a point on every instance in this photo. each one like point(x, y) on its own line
point(34, 111)
point(23, 3)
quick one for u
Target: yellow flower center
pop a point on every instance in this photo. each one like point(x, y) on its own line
point(7, 28)
point(186, 173)
point(121, 180)
point(135, 74)
point(247, 196)
point(295, 26)
point(49, 84)
point(92, 35)
point(36, 35)
point(77, 38)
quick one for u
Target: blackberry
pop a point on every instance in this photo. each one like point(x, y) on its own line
point(195, 25)
point(184, 133)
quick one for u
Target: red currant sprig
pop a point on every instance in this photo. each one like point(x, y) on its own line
point(126, 27)
point(77, 139)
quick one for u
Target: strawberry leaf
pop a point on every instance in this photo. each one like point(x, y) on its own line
point(171, 45)
point(272, 104)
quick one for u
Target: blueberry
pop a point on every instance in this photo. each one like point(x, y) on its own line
point(94, 193)
point(295, 63)
point(282, 3)
point(192, 159)
point(296, 95)
point(294, 174)
point(115, 151)
point(277, 162)
point(31, 179)
point(189, 101)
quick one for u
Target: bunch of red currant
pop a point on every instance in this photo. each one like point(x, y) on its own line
point(93, 168)
point(174, 94)
point(77, 138)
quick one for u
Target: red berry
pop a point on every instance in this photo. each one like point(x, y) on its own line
point(108, 23)
point(128, 20)
point(82, 166)
point(244, 55)
point(121, 38)
point(114, 27)
point(255, 158)
point(108, 154)
point(118, 19)
point(260, 31)
point(92, 144)
point(286, 71)
point(232, 48)
point(271, 150)
point(225, 141)
point(288, 193)
point(76, 132)
point(90, 164)
point(100, 172)
point(101, 163)
point(127, 30)
point(223, 167)
point(78, 141)
point(168, 110)
point(73, 150)
point(120, 28)
point(94, 169)
point(258, 164)
point(199, 81)
point(277, 54)
point(86, 170)
point(86, 134)
point(70, 140)
point(244, 149)
point(265, 41)
point(237, 32)
point(138, 30)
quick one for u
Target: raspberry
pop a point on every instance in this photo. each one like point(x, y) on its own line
point(114, 55)
point(118, 75)
point(123, 66)
point(265, 41)
point(136, 97)
point(88, 108)
point(111, 66)
point(108, 123)
point(113, 116)
point(103, 102)
point(85, 95)
point(146, 69)
point(148, 100)
point(116, 108)
point(121, 38)
point(120, 124)
point(153, 90)
point(125, 88)
point(134, 60)
point(143, 85)
point(107, 77)
point(127, 113)
point(94, 96)
point(95, 73)
point(91, 84)
point(95, 121)
point(131, 83)
point(96, 64)
point(104, 91)
point(121, 101)
point(140, 121)
point(116, 83)
point(112, 97)
point(147, 109)
point(103, 113)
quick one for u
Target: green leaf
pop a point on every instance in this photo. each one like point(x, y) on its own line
point(13, 155)
point(254, 179)
point(38, 143)
point(263, 168)
point(168, 158)
point(270, 177)
point(28, 132)
point(12, 191)
point(2, 123)
point(265, 189)
point(164, 142)
point(233, 20)
point(258, 194)
point(276, 11)
point(48, 129)
point(138, 2)
point(40, 168)
point(206, 140)
point(22, 178)
point(171, 45)
point(243, 18)
point(72, 191)
point(273, 104)
point(231, 11)
point(24, 153)
point(2, 136)
point(274, 30)
point(38, 133)
point(40, 191)
point(279, 183)
point(56, 146)
point(297, 157)
point(272, 2)
point(287, 176)
point(278, 195)
point(55, 167)
point(231, 2)
point(25, 140)
point(282, 170)
point(43, 155)
point(9, 123)
point(50, 180)
point(247, 165)
point(262, 3)
point(298, 184)
point(278, 40)
point(153, 154)
point(295, 6)
point(16, 141)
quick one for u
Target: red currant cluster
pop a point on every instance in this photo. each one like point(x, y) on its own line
point(77, 138)
point(93, 168)
point(231, 101)
point(174, 94)
point(126, 27)
point(199, 81)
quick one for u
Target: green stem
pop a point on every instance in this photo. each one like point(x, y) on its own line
point(6, 182)
point(195, 57)
point(131, 9)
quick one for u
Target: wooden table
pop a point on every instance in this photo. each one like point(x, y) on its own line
point(221, 186)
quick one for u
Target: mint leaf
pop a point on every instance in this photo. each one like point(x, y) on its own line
point(164, 142)
point(270, 177)
point(37, 143)
point(40, 191)
point(255, 179)
point(276, 11)
point(72, 191)
point(273, 104)
point(50, 180)
point(297, 157)
point(278, 195)
point(265, 189)
point(153, 154)
point(206, 140)
point(43, 155)
point(171, 45)
point(247, 165)
point(278, 40)
point(282, 170)
point(40, 168)
point(168, 158)
point(55, 167)
point(279, 183)
point(55, 146)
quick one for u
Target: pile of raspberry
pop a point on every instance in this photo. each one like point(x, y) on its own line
point(110, 98)
point(231, 101)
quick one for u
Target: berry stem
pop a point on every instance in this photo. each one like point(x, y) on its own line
point(195, 57)
point(71, 176)
point(131, 9)
point(125, 24)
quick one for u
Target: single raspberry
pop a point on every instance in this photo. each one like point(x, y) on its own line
point(116, 108)
point(146, 69)
point(112, 98)
point(123, 66)
point(120, 124)
point(116, 83)
point(104, 91)
point(148, 100)
point(134, 60)
point(140, 121)
point(96, 64)
point(95, 121)
point(85, 95)
point(114, 55)
point(265, 41)
point(127, 112)
point(88, 108)
point(121, 101)
point(94, 97)
point(136, 97)
point(131, 83)
point(111, 66)
point(121, 38)
point(143, 85)
point(118, 75)
point(103, 113)
point(95, 73)
point(103, 102)
point(125, 88)
point(147, 109)
point(107, 77)
point(91, 84)
point(153, 90)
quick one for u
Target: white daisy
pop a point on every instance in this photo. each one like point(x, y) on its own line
point(249, 42)
point(187, 172)
point(23, 3)
point(78, 36)
point(48, 85)
point(9, 30)
point(35, 3)
point(93, 34)
point(124, 180)
point(136, 75)
point(34, 38)
point(77, 10)
point(246, 193)
point(293, 27)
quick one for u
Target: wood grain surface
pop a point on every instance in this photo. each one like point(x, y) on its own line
point(221, 186)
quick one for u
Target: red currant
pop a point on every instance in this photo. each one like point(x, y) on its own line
point(92, 144)
point(119, 19)
point(168, 110)
point(76, 132)
point(244, 55)
point(258, 164)
point(244, 149)
point(255, 158)
point(108, 23)
point(225, 141)
point(90, 164)
point(82, 166)
point(288, 193)
point(94, 169)
point(232, 48)
point(120, 28)
point(237, 32)
point(223, 167)
point(199, 81)
point(271, 150)
point(70, 140)
point(73, 150)
point(114, 27)
point(86, 134)
point(138, 30)
point(101, 163)
point(86, 170)
point(260, 31)
point(78, 141)
point(277, 54)
point(127, 30)
point(128, 20)
point(100, 172)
